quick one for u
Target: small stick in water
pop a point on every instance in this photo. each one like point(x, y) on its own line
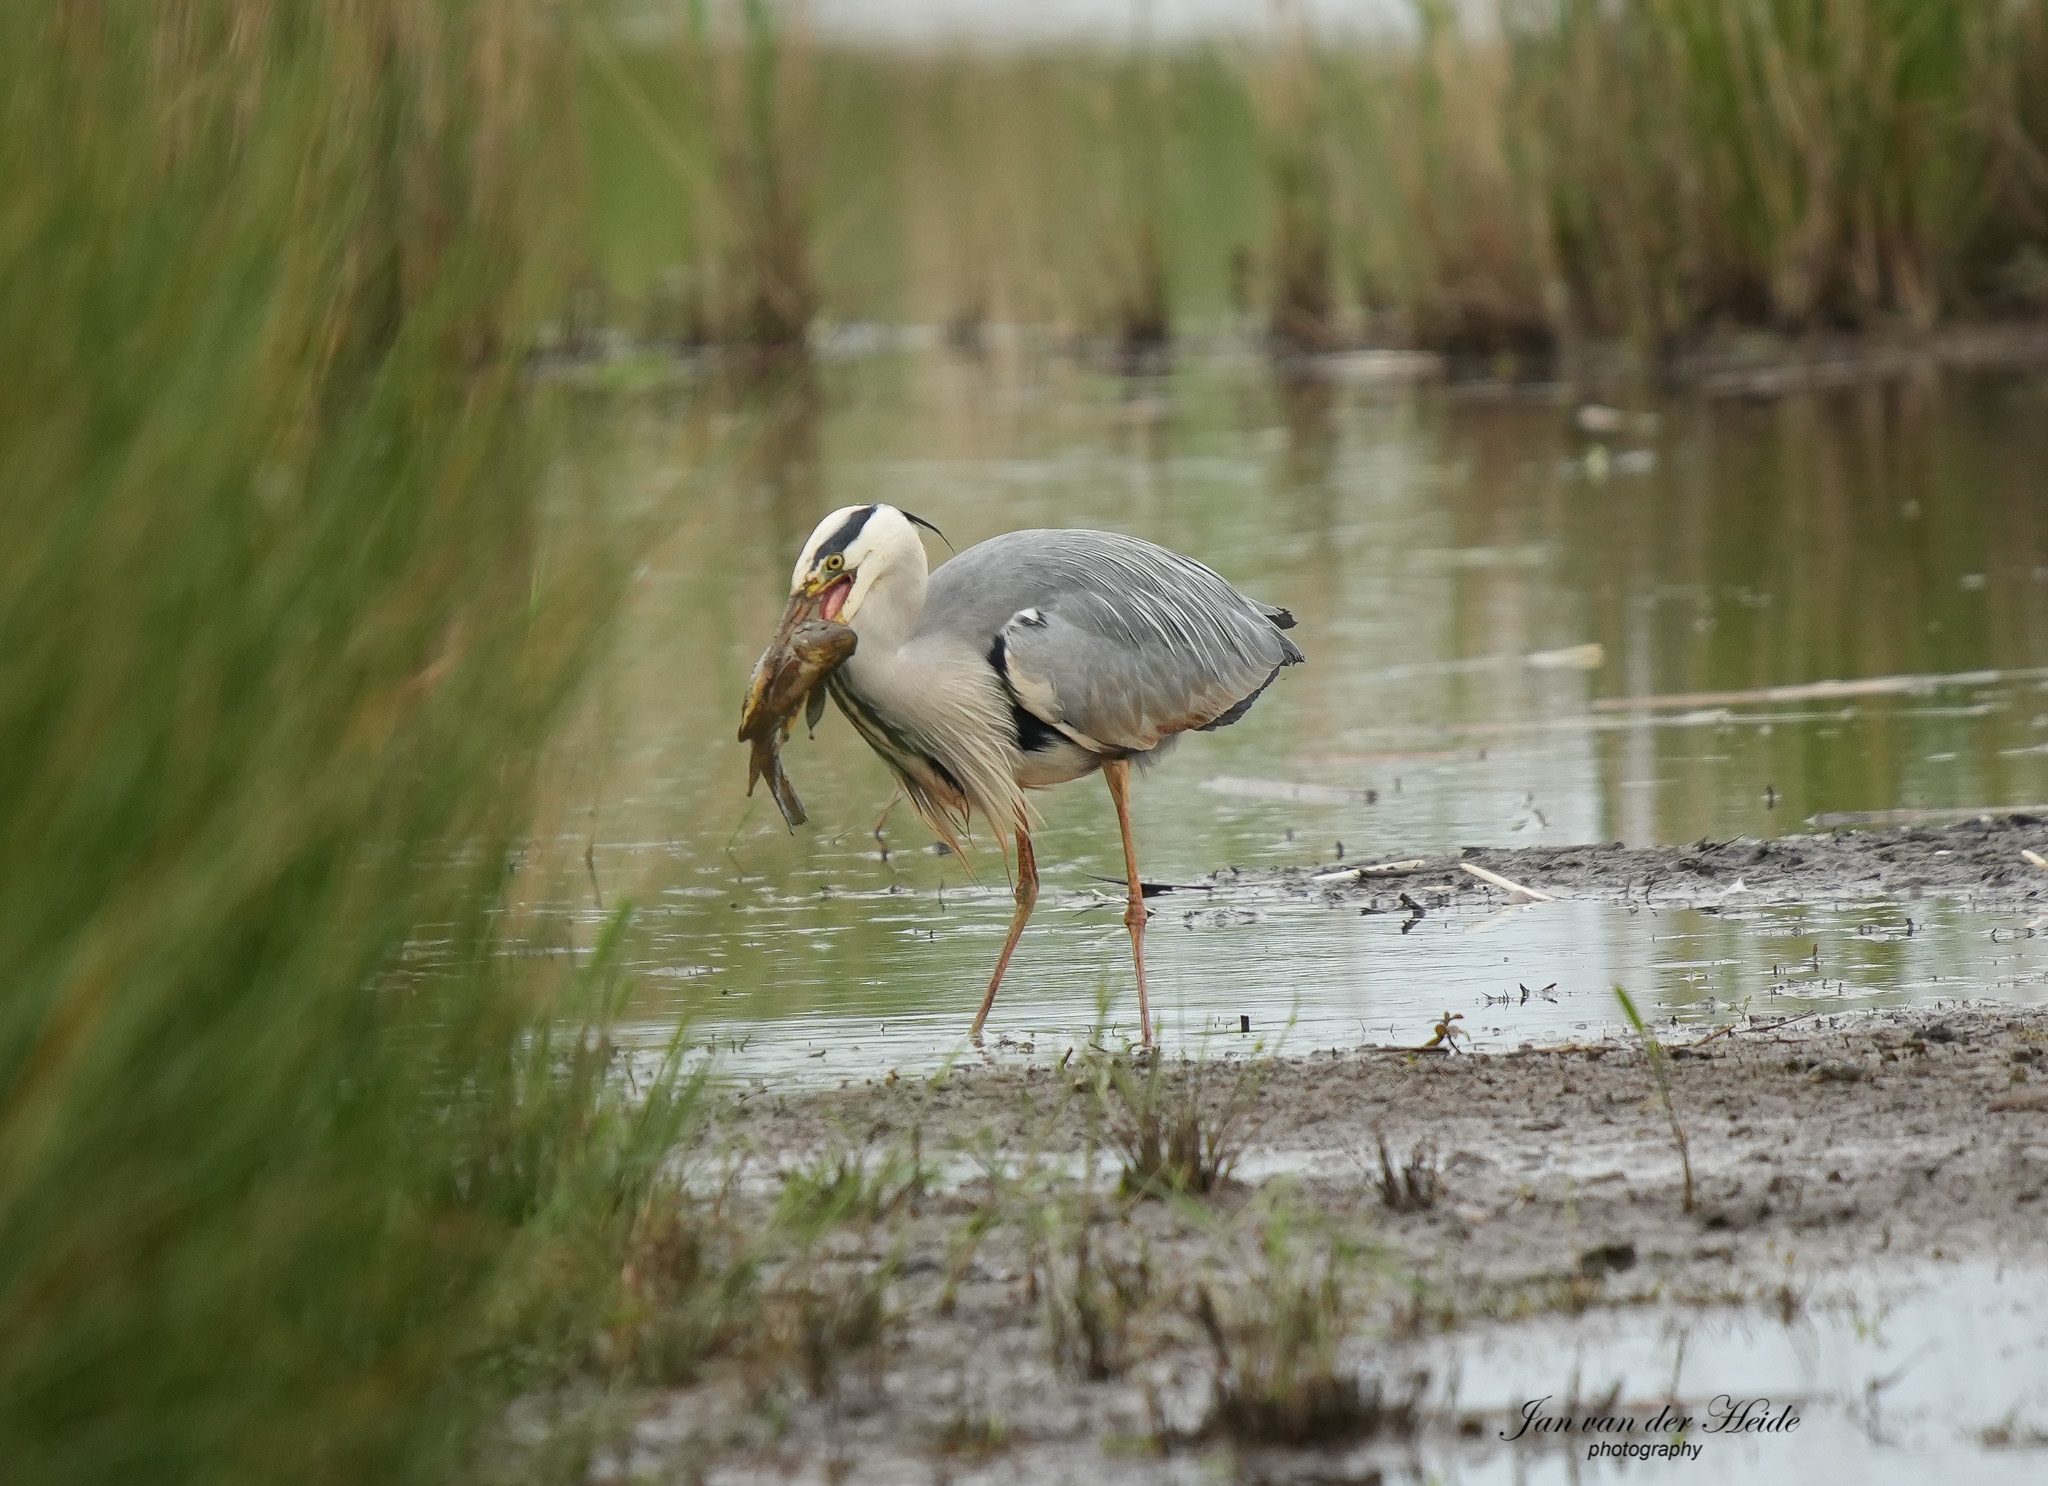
point(1376, 869)
point(1514, 890)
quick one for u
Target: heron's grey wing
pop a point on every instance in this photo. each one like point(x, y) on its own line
point(1119, 644)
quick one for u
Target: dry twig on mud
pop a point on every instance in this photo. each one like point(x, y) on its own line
point(1516, 891)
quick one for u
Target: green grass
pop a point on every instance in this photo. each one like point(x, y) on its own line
point(1845, 162)
point(1301, 177)
point(1174, 1131)
point(297, 1163)
point(1660, 1075)
point(1278, 1337)
point(1654, 172)
point(701, 153)
point(971, 1434)
point(1647, 173)
point(1413, 1186)
point(1090, 1299)
point(690, 1289)
point(849, 1185)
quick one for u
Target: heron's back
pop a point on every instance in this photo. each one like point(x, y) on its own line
point(1116, 641)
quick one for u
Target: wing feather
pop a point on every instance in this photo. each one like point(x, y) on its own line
point(1115, 642)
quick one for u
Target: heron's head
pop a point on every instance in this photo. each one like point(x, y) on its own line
point(856, 552)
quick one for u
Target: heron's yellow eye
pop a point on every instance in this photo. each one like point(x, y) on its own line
point(834, 563)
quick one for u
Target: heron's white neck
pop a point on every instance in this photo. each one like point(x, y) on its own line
point(888, 599)
point(928, 702)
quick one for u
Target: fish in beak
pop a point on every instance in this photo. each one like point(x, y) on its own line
point(791, 671)
point(809, 605)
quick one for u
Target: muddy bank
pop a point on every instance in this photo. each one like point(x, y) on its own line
point(1978, 860)
point(1036, 1322)
point(1912, 1133)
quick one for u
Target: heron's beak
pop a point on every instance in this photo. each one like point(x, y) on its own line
point(803, 605)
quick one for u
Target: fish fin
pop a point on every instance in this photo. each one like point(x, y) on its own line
point(785, 796)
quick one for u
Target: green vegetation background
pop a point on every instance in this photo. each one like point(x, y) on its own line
point(1572, 172)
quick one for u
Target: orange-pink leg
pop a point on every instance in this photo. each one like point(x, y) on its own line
point(1027, 895)
point(1118, 776)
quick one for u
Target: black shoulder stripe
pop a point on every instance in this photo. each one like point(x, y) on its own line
point(1034, 733)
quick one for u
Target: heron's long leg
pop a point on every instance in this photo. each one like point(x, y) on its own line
point(1027, 894)
point(1118, 777)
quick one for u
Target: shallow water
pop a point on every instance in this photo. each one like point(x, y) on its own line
point(1899, 1373)
point(1486, 596)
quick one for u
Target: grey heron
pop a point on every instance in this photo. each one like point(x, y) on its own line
point(1028, 660)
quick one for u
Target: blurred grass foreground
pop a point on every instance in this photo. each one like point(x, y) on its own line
point(295, 1182)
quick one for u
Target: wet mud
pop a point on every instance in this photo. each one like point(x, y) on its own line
point(1975, 860)
point(1418, 1238)
point(1837, 1161)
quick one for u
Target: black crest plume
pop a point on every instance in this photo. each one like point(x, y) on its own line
point(919, 520)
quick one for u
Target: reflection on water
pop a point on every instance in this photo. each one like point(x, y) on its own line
point(1305, 977)
point(1471, 577)
point(1895, 1375)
